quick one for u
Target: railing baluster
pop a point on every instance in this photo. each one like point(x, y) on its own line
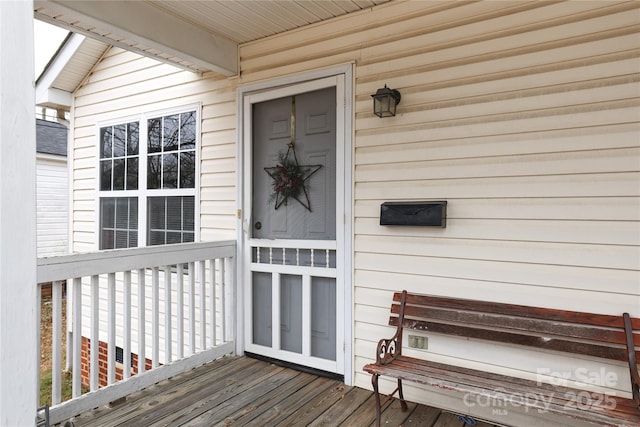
point(180, 313)
point(203, 305)
point(223, 304)
point(76, 381)
point(167, 314)
point(69, 359)
point(126, 325)
point(192, 309)
point(56, 356)
point(95, 324)
point(212, 301)
point(111, 329)
point(155, 324)
point(142, 358)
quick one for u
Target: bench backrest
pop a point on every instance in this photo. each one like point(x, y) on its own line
point(574, 332)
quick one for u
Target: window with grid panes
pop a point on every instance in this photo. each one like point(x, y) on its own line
point(148, 176)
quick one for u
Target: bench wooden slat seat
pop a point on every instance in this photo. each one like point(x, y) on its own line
point(576, 333)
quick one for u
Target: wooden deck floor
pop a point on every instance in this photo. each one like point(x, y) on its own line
point(238, 391)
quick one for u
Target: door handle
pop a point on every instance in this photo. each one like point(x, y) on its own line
point(258, 225)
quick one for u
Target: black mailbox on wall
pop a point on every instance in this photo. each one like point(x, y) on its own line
point(430, 214)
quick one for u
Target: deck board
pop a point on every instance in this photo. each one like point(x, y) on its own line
point(238, 391)
point(146, 400)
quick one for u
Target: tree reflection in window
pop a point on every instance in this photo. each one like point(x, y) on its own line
point(171, 148)
point(119, 157)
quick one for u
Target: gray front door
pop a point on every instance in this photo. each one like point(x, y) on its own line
point(292, 230)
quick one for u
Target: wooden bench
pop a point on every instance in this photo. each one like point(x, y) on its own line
point(586, 334)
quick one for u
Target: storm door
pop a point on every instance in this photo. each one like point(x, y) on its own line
point(293, 309)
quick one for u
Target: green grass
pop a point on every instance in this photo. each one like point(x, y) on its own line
point(45, 387)
point(45, 355)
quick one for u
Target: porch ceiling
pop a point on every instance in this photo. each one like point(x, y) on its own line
point(200, 35)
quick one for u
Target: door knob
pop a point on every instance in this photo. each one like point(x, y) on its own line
point(258, 225)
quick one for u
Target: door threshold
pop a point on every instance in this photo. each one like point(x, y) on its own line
point(295, 366)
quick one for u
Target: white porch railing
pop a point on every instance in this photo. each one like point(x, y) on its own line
point(182, 316)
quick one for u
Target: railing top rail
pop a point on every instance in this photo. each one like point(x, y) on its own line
point(87, 264)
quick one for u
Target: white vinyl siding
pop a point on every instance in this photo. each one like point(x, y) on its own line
point(52, 205)
point(525, 118)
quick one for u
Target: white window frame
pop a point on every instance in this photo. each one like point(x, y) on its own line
point(142, 193)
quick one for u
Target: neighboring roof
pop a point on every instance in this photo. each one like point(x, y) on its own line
point(51, 138)
point(198, 35)
point(66, 70)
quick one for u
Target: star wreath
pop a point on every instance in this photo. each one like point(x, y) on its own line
point(289, 178)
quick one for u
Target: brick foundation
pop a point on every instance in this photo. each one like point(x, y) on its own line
point(85, 356)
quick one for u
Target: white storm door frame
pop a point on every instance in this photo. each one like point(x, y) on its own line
point(340, 77)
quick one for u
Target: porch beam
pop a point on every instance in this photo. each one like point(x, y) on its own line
point(46, 95)
point(54, 98)
point(18, 291)
point(145, 24)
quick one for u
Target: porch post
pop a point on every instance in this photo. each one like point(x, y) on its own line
point(18, 331)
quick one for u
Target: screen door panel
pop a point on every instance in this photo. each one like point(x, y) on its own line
point(293, 248)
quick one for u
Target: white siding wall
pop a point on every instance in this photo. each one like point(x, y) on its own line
point(125, 84)
point(522, 115)
point(52, 205)
point(525, 118)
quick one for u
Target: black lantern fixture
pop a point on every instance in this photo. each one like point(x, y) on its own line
point(385, 101)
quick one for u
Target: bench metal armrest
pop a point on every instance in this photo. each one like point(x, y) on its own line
point(388, 350)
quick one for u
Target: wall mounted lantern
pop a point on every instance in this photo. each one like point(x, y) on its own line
point(385, 101)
